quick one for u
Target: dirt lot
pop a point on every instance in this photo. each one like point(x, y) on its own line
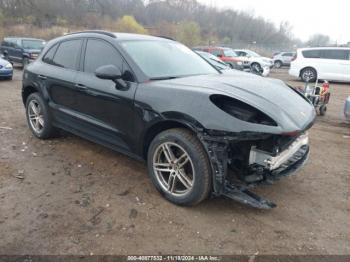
point(69, 196)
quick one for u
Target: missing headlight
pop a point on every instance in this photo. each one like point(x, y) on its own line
point(241, 110)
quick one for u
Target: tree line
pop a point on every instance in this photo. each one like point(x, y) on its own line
point(187, 21)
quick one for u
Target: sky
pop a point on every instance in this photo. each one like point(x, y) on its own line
point(307, 17)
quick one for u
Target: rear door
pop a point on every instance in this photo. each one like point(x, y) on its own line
point(11, 49)
point(347, 67)
point(18, 51)
point(335, 64)
point(59, 78)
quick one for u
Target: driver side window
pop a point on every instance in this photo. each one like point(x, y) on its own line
point(99, 53)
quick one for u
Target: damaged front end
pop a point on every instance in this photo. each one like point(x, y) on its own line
point(247, 159)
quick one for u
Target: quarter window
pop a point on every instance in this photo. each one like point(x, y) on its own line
point(48, 58)
point(100, 53)
point(67, 54)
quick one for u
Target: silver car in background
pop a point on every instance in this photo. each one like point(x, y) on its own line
point(255, 62)
point(283, 59)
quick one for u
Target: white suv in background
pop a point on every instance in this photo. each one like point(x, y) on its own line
point(326, 63)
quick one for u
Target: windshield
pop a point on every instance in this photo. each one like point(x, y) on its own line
point(230, 53)
point(163, 59)
point(213, 60)
point(33, 44)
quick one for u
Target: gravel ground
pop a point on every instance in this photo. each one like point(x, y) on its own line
point(70, 196)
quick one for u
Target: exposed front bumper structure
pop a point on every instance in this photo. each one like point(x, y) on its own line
point(274, 162)
point(262, 168)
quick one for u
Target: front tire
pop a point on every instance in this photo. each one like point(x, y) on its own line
point(38, 117)
point(257, 69)
point(179, 167)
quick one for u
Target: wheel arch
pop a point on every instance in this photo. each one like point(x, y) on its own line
point(161, 126)
point(28, 90)
point(255, 63)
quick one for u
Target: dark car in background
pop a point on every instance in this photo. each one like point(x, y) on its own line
point(225, 54)
point(201, 132)
point(21, 50)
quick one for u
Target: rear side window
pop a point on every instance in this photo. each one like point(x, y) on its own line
point(48, 58)
point(67, 54)
point(100, 53)
point(288, 54)
point(312, 54)
point(335, 54)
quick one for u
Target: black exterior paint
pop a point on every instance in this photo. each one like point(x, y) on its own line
point(129, 114)
point(125, 120)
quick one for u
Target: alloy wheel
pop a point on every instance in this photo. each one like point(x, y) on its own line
point(308, 75)
point(35, 116)
point(173, 168)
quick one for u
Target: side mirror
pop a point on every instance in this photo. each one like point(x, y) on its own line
point(108, 72)
point(220, 55)
point(111, 72)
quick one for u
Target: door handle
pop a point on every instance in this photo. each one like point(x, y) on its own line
point(80, 86)
point(42, 77)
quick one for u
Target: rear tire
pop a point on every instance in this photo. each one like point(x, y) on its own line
point(38, 117)
point(308, 74)
point(182, 184)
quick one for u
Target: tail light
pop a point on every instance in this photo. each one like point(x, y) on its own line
point(295, 57)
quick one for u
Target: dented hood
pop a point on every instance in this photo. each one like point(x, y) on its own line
point(289, 109)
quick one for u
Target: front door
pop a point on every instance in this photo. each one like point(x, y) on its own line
point(107, 111)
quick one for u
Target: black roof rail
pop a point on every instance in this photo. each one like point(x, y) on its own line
point(94, 32)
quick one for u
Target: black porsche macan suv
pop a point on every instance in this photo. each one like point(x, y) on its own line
point(202, 132)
